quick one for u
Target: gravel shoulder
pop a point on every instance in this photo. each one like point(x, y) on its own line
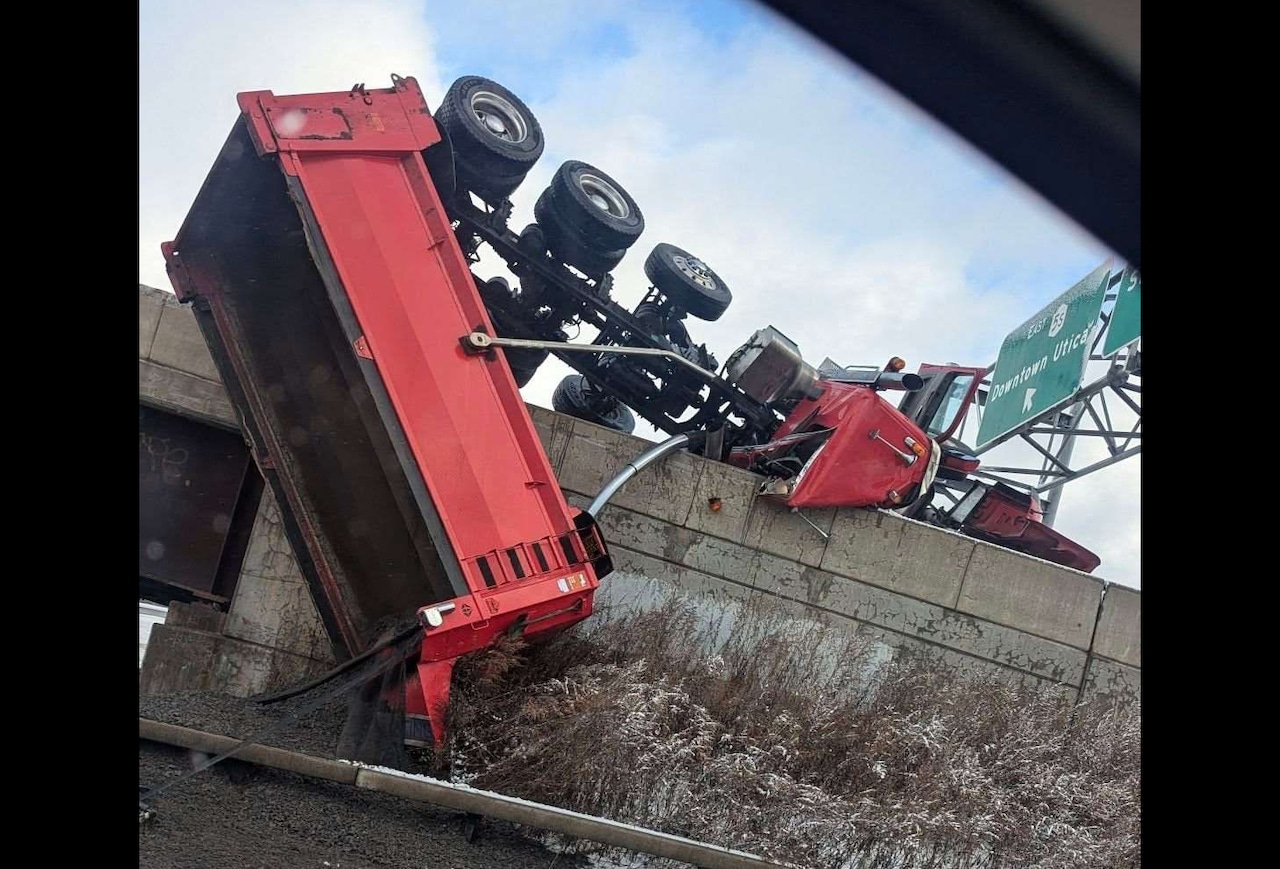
point(247, 817)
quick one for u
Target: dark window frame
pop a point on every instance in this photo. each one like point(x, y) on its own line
point(206, 577)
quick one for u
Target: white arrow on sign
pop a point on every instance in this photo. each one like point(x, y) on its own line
point(1026, 399)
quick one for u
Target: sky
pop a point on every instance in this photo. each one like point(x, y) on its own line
point(835, 210)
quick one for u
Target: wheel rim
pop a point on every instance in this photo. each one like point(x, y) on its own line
point(695, 270)
point(604, 195)
point(499, 118)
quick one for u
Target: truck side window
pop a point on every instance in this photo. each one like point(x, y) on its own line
point(951, 406)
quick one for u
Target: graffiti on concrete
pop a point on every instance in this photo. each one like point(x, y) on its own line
point(163, 456)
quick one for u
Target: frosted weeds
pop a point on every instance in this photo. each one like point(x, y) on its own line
point(768, 747)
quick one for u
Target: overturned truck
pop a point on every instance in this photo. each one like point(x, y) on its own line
point(822, 437)
point(328, 260)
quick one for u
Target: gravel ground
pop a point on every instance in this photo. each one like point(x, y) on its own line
point(246, 817)
point(314, 733)
point(254, 818)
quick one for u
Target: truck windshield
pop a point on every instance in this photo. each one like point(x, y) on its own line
point(952, 405)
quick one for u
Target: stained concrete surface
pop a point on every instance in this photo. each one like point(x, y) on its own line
point(184, 659)
point(1111, 681)
point(1031, 595)
point(150, 304)
point(1119, 632)
point(272, 605)
point(897, 554)
point(178, 342)
point(185, 394)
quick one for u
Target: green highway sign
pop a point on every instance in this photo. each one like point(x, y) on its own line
point(1042, 361)
point(1126, 317)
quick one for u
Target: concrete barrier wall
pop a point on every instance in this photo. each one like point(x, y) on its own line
point(271, 633)
point(903, 582)
point(175, 369)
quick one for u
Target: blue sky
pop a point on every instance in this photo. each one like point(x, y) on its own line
point(604, 33)
point(835, 210)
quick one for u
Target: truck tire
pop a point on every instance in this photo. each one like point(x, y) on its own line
point(533, 241)
point(496, 139)
point(524, 363)
point(594, 207)
point(687, 282)
point(567, 245)
point(918, 508)
point(569, 398)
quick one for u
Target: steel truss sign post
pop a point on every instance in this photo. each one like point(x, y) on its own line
point(1107, 409)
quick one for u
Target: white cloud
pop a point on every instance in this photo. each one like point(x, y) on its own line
point(195, 58)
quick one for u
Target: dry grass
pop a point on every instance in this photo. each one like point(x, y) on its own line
point(789, 742)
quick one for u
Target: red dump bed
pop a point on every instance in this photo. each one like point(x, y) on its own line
point(328, 283)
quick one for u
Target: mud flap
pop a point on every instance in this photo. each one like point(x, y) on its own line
point(593, 543)
point(375, 715)
point(426, 702)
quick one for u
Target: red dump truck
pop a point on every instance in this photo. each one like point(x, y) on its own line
point(328, 260)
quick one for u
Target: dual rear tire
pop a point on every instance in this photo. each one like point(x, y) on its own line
point(589, 220)
point(575, 397)
point(494, 137)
